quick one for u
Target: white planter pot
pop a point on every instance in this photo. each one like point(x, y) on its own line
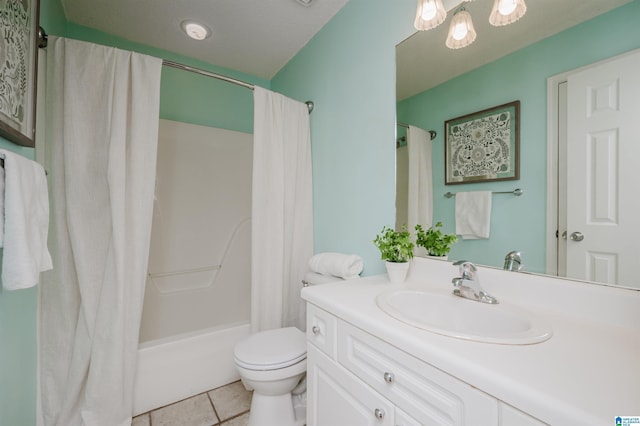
point(445, 257)
point(397, 271)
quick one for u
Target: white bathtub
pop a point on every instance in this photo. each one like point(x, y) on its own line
point(176, 368)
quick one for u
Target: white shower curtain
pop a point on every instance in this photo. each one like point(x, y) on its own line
point(420, 194)
point(101, 138)
point(282, 217)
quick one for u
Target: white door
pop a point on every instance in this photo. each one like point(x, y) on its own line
point(603, 149)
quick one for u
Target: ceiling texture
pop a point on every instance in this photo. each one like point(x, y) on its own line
point(423, 60)
point(258, 37)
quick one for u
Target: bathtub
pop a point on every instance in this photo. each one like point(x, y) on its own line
point(172, 369)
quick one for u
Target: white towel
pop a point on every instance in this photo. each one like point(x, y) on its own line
point(25, 218)
point(337, 264)
point(473, 214)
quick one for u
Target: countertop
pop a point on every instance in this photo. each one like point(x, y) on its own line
point(587, 373)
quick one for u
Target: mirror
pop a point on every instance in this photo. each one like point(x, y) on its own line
point(505, 64)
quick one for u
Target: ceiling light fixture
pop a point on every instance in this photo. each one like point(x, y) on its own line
point(430, 14)
point(195, 30)
point(505, 12)
point(461, 31)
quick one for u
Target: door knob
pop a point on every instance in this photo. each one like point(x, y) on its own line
point(576, 236)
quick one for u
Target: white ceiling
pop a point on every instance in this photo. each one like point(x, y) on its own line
point(423, 60)
point(257, 37)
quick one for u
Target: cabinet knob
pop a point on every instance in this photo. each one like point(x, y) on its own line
point(379, 413)
point(315, 330)
point(389, 377)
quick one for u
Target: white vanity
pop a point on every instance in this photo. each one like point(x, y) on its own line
point(366, 367)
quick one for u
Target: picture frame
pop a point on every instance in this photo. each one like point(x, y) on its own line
point(483, 146)
point(18, 70)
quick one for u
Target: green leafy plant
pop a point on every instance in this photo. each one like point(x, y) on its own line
point(395, 246)
point(434, 240)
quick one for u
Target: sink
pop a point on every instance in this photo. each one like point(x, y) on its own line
point(464, 319)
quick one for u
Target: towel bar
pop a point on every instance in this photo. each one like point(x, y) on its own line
point(517, 192)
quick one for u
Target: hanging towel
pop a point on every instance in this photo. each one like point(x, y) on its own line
point(473, 214)
point(337, 264)
point(25, 218)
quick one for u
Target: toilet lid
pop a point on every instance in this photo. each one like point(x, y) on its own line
point(271, 349)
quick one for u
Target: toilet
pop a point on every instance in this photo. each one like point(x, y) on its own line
point(272, 363)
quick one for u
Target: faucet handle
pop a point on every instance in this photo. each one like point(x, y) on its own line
point(467, 269)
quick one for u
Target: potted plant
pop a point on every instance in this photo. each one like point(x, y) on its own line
point(396, 249)
point(434, 241)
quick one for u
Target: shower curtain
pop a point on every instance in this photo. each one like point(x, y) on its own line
point(420, 194)
point(100, 151)
point(282, 217)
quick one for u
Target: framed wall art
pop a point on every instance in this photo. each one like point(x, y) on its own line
point(18, 68)
point(483, 146)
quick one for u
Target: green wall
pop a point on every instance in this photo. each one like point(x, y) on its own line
point(18, 309)
point(517, 222)
point(348, 71)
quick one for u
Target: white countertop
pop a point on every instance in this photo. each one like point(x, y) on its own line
point(587, 373)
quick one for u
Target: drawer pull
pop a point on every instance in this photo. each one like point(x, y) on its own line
point(379, 413)
point(389, 377)
point(315, 330)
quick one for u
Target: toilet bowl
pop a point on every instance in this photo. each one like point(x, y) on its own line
point(272, 363)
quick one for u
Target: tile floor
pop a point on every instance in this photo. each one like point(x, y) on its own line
point(225, 406)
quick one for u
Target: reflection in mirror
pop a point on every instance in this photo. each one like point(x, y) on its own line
point(507, 64)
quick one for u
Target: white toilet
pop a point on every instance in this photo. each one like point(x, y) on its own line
point(272, 363)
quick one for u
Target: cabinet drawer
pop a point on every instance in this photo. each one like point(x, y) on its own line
point(428, 395)
point(337, 398)
point(322, 330)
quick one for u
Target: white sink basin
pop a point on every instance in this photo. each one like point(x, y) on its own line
point(465, 319)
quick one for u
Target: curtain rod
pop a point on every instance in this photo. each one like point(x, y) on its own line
point(206, 73)
point(43, 39)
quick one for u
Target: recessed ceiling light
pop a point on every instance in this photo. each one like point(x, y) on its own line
point(194, 30)
point(305, 2)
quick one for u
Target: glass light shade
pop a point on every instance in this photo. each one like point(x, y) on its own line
point(195, 30)
point(430, 14)
point(461, 31)
point(505, 12)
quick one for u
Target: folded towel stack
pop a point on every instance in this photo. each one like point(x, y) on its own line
point(339, 265)
point(24, 218)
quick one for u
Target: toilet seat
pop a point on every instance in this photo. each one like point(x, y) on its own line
point(271, 349)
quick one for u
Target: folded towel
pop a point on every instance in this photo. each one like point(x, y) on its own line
point(337, 264)
point(473, 214)
point(25, 218)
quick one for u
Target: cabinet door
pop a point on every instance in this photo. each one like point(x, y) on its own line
point(429, 395)
point(337, 398)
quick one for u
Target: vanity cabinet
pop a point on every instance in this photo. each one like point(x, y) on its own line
point(355, 378)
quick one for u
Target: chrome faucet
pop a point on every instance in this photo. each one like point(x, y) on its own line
point(468, 286)
point(513, 261)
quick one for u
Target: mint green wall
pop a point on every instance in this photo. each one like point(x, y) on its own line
point(348, 71)
point(18, 309)
point(517, 222)
point(17, 344)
